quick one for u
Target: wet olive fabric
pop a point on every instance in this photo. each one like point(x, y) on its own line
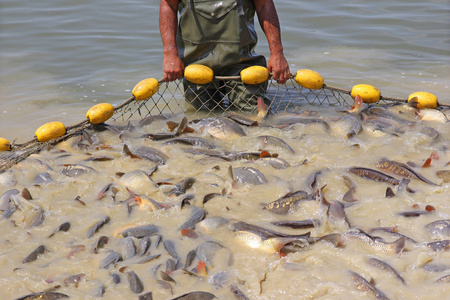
point(219, 34)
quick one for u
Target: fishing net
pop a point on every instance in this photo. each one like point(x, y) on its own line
point(170, 99)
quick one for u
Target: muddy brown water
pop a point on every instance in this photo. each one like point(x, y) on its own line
point(318, 271)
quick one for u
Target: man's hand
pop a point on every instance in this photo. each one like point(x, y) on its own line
point(173, 67)
point(278, 66)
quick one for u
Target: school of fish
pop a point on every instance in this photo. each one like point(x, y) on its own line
point(320, 202)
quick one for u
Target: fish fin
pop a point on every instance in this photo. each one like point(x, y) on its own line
point(262, 109)
point(399, 245)
point(201, 268)
point(356, 108)
point(413, 102)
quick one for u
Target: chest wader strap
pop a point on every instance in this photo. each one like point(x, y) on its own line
point(240, 8)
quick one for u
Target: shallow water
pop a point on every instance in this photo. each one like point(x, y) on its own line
point(320, 270)
point(59, 58)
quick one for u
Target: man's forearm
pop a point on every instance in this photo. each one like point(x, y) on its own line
point(268, 19)
point(168, 23)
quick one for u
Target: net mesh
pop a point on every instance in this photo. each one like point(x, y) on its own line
point(171, 98)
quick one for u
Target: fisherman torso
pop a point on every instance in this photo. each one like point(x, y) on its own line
point(216, 33)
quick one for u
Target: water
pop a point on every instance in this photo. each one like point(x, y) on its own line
point(59, 58)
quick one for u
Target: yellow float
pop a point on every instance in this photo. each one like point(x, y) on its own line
point(421, 100)
point(49, 131)
point(100, 113)
point(4, 144)
point(145, 89)
point(198, 74)
point(309, 79)
point(254, 75)
point(367, 92)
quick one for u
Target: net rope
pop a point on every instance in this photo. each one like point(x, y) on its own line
point(170, 99)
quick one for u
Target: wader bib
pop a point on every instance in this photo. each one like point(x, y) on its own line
point(220, 34)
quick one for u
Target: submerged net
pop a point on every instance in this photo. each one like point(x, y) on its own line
point(170, 99)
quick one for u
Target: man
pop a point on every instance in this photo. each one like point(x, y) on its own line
point(221, 35)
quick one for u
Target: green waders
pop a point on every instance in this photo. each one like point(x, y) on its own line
point(220, 34)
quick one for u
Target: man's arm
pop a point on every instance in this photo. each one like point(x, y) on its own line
point(268, 19)
point(173, 67)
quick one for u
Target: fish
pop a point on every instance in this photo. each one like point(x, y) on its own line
point(197, 295)
point(439, 227)
point(190, 258)
point(99, 243)
point(283, 119)
point(181, 187)
point(169, 245)
point(384, 266)
point(197, 215)
point(284, 204)
point(240, 119)
point(35, 254)
point(375, 175)
point(262, 238)
point(267, 140)
point(139, 181)
point(297, 224)
point(432, 115)
point(167, 277)
point(377, 243)
point(150, 119)
point(210, 224)
point(42, 179)
point(143, 245)
point(222, 128)
point(110, 258)
point(191, 140)
point(94, 228)
point(137, 231)
point(180, 128)
point(63, 227)
point(349, 196)
point(247, 175)
point(402, 170)
point(135, 283)
point(207, 250)
point(127, 247)
point(365, 286)
point(6, 198)
point(75, 170)
point(151, 154)
point(276, 162)
point(444, 279)
point(439, 245)
point(43, 296)
point(146, 296)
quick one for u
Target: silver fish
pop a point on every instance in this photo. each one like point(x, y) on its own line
point(94, 228)
point(42, 178)
point(284, 204)
point(197, 215)
point(128, 249)
point(138, 231)
point(191, 140)
point(379, 244)
point(363, 285)
point(439, 227)
point(151, 154)
point(169, 245)
point(275, 141)
point(135, 283)
point(34, 255)
point(110, 258)
point(222, 128)
point(247, 175)
point(43, 296)
point(198, 295)
point(7, 178)
point(384, 266)
point(75, 170)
